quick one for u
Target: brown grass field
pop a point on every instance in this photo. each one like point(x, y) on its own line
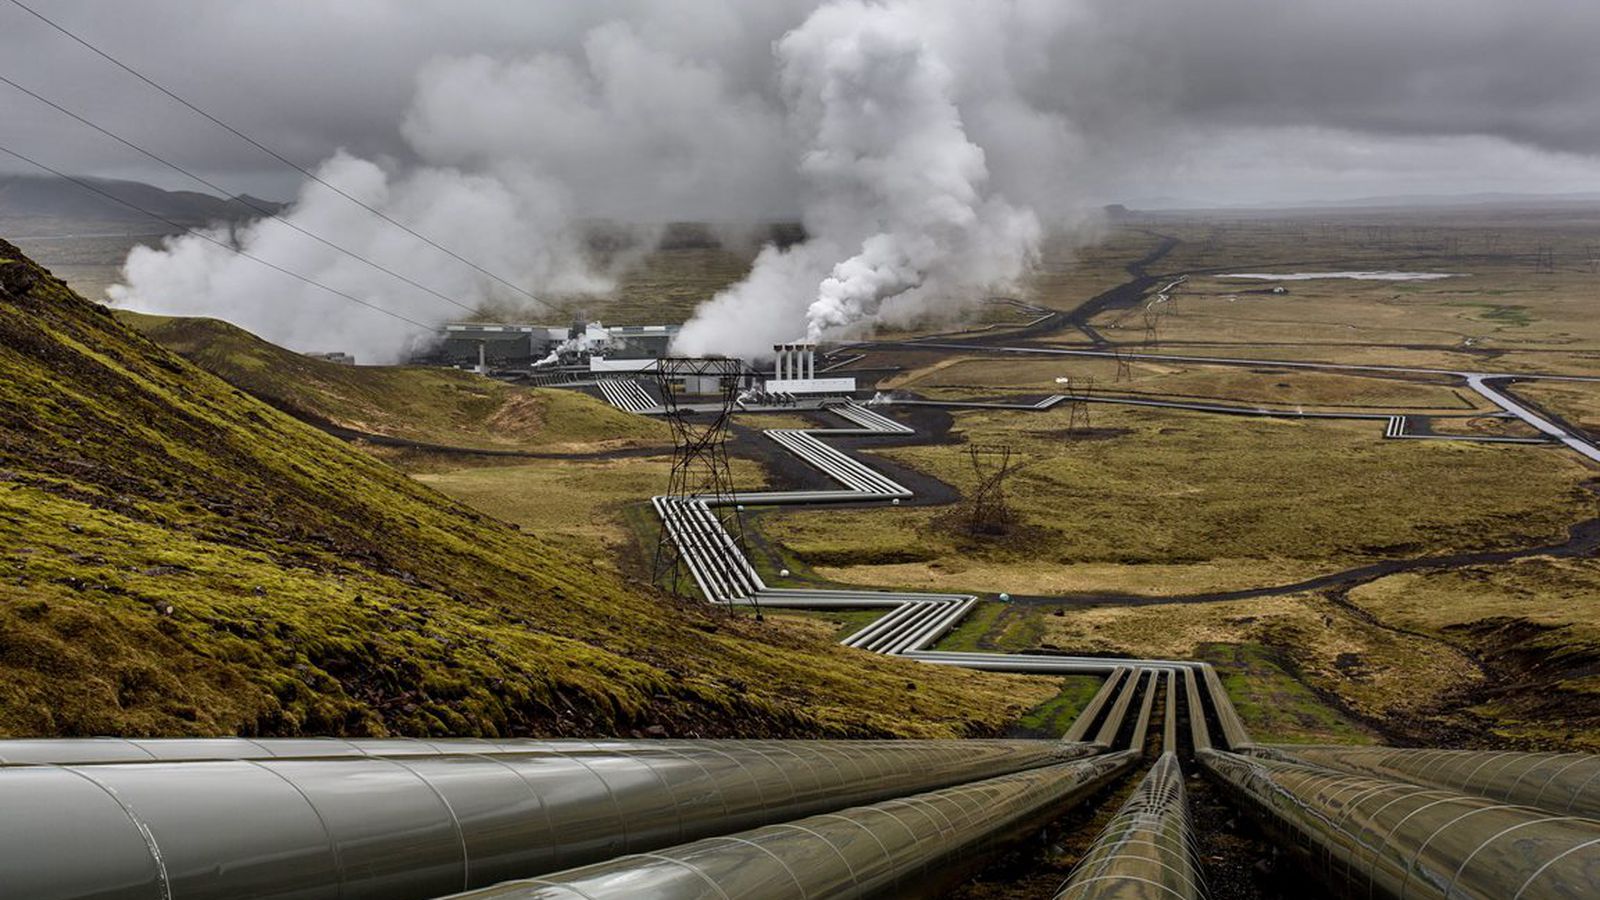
point(1506, 312)
point(1187, 494)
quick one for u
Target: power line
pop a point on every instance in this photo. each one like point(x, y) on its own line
point(206, 237)
point(273, 153)
point(225, 192)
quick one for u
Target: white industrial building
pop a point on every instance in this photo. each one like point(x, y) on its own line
point(486, 346)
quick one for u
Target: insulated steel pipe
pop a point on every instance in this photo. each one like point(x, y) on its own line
point(1567, 783)
point(85, 751)
point(1233, 730)
point(1141, 725)
point(1198, 732)
point(887, 849)
point(1147, 850)
point(396, 824)
point(1383, 838)
point(1169, 724)
point(1112, 726)
point(1079, 729)
point(88, 751)
point(726, 576)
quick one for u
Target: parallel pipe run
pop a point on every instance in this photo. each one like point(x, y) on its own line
point(1079, 729)
point(1198, 732)
point(1141, 725)
point(1565, 783)
point(725, 576)
point(1147, 850)
point(1112, 726)
point(1376, 837)
point(887, 849)
point(286, 819)
point(626, 394)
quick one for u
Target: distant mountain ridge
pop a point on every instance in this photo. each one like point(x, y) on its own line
point(32, 195)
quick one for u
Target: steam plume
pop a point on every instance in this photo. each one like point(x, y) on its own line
point(491, 219)
point(515, 155)
point(897, 195)
point(903, 133)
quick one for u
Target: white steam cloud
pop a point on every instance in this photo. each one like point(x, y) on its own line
point(890, 173)
point(491, 218)
point(924, 144)
point(514, 153)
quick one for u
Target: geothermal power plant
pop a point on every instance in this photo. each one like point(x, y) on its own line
point(869, 449)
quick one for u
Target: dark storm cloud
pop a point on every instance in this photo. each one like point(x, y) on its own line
point(306, 77)
point(1526, 71)
point(314, 76)
point(926, 145)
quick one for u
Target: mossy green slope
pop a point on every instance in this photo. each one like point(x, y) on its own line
point(430, 405)
point(177, 557)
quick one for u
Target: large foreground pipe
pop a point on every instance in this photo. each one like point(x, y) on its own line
point(83, 751)
point(415, 826)
point(1382, 838)
point(1147, 850)
point(1567, 783)
point(887, 849)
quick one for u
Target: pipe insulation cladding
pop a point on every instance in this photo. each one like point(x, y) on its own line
point(1566, 783)
point(293, 819)
point(890, 849)
point(1376, 837)
point(1147, 849)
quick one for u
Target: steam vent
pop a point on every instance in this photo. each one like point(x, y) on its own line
point(795, 372)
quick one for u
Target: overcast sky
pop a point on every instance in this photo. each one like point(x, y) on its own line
point(1216, 101)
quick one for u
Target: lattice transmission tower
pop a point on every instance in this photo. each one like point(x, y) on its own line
point(1152, 327)
point(701, 475)
point(1544, 259)
point(1080, 391)
point(988, 512)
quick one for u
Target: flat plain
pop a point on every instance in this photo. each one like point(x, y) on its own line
point(1348, 587)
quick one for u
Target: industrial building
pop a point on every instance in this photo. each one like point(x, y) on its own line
point(619, 352)
point(639, 341)
point(335, 356)
point(645, 369)
point(465, 344)
point(489, 346)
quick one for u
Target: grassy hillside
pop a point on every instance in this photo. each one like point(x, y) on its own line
point(177, 557)
point(440, 406)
